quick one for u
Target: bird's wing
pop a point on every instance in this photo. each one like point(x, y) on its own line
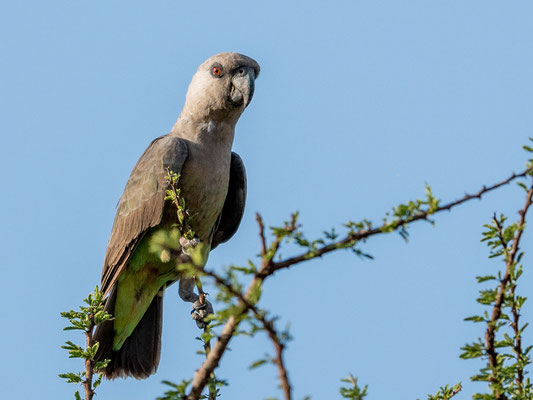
point(233, 209)
point(142, 203)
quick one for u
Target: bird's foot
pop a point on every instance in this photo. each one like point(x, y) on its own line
point(189, 243)
point(200, 312)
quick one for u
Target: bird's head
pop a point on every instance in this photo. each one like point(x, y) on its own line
point(223, 86)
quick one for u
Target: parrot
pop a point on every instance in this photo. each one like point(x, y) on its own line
point(212, 181)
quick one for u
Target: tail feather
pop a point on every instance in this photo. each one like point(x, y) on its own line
point(139, 355)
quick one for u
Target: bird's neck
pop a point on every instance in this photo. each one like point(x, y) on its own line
point(206, 130)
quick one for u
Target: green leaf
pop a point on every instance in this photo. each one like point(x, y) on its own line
point(71, 377)
point(475, 318)
point(255, 292)
point(353, 392)
point(258, 363)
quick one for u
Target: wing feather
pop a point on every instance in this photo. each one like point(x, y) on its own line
point(233, 210)
point(142, 203)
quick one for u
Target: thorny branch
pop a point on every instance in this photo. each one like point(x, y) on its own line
point(89, 364)
point(207, 342)
point(86, 319)
point(246, 305)
point(365, 233)
point(517, 348)
point(510, 260)
point(268, 326)
point(269, 267)
point(455, 391)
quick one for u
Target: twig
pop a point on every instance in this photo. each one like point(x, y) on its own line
point(174, 195)
point(213, 358)
point(89, 364)
point(365, 233)
point(490, 333)
point(268, 253)
point(172, 183)
point(207, 342)
point(261, 234)
point(456, 391)
point(86, 319)
point(268, 267)
point(500, 297)
point(268, 326)
point(517, 348)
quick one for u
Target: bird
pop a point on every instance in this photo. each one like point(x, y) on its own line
point(212, 180)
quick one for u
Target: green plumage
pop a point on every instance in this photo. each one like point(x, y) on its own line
point(137, 286)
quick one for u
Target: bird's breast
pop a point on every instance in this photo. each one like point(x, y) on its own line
point(204, 183)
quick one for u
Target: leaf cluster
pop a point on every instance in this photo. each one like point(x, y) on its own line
point(353, 391)
point(86, 319)
point(506, 359)
point(173, 194)
point(176, 391)
point(402, 214)
point(446, 392)
point(89, 315)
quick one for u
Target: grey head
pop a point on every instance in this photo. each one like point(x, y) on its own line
point(222, 87)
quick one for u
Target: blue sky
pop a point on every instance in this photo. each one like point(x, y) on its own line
point(359, 104)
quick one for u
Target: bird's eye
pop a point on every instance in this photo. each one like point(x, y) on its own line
point(217, 71)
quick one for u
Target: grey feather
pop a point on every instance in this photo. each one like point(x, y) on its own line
point(139, 355)
point(233, 210)
point(142, 203)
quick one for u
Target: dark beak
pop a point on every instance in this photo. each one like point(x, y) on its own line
point(243, 86)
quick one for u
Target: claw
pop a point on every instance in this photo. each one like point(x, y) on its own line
point(197, 306)
point(200, 312)
point(186, 243)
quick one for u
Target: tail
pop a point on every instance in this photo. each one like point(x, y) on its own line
point(139, 355)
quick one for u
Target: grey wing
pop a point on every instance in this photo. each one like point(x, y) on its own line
point(233, 210)
point(141, 205)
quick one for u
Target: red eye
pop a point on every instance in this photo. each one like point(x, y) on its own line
point(217, 71)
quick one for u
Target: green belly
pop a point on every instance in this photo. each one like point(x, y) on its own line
point(144, 276)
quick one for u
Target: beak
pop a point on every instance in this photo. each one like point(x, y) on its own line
point(242, 86)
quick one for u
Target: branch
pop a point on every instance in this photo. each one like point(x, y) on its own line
point(217, 351)
point(207, 341)
point(456, 390)
point(268, 267)
point(86, 320)
point(510, 261)
point(261, 234)
point(365, 233)
point(517, 348)
point(89, 363)
point(490, 333)
point(212, 359)
point(268, 326)
point(279, 346)
point(447, 392)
